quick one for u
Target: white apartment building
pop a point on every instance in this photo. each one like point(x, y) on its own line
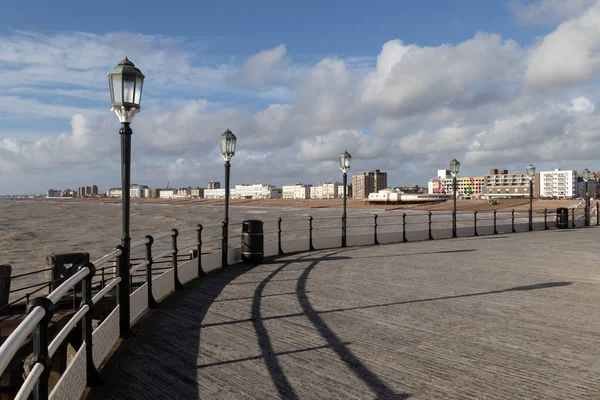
point(316, 192)
point(297, 191)
point(137, 191)
point(340, 190)
point(167, 193)
point(217, 193)
point(558, 184)
point(326, 190)
point(255, 191)
point(113, 192)
point(183, 193)
point(197, 193)
point(330, 190)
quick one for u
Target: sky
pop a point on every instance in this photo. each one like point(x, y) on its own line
point(404, 86)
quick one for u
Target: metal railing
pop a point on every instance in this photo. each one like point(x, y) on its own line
point(371, 227)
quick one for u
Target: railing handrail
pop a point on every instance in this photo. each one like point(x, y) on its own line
point(14, 341)
point(73, 280)
point(105, 290)
point(107, 257)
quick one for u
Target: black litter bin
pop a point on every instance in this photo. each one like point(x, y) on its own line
point(252, 241)
point(562, 218)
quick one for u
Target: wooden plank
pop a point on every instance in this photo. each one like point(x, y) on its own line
point(470, 318)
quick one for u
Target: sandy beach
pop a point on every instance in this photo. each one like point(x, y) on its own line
point(32, 229)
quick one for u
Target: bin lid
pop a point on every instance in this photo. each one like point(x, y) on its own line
point(252, 222)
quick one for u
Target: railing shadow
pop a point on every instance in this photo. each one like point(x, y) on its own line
point(166, 344)
point(377, 386)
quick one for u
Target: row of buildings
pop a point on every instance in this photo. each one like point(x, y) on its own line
point(363, 184)
point(82, 191)
point(555, 184)
point(214, 190)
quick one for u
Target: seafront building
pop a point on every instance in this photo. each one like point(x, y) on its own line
point(152, 193)
point(254, 191)
point(113, 192)
point(558, 184)
point(87, 191)
point(197, 193)
point(53, 193)
point(364, 183)
point(137, 191)
point(216, 193)
point(214, 185)
point(183, 193)
point(499, 183)
point(167, 193)
point(465, 187)
point(316, 192)
point(298, 191)
point(340, 190)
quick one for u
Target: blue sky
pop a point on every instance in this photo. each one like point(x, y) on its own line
point(404, 85)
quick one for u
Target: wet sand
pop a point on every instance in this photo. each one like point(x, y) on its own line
point(32, 229)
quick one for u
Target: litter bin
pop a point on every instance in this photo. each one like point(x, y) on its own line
point(562, 218)
point(252, 241)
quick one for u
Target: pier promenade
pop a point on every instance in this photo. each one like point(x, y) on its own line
point(491, 317)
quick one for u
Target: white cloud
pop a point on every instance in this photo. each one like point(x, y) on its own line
point(569, 55)
point(487, 101)
point(582, 105)
point(85, 144)
point(548, 11)
point(412, 79)
point(266, 66)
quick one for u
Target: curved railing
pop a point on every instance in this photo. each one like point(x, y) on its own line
point(147, 281)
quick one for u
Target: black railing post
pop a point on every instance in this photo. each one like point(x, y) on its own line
point(176, 281)
point(279, 236)
point(404, 228)
point(310, 233)
point(123, 291)
point(495, 228)
point(454, 234)
point(430, 235)
point(573, 217)
point(587, 206)
point(545, 218)
point(513, 221)
point(152, 303)
point(475, 223)
point(344, 216)
point(375, 241)
point(343, 230)
point(93, 377)
point(40, 346)
point(597, 214)
point(225, 225)
point(224, 240)
point(530, 204)
point(199, 250)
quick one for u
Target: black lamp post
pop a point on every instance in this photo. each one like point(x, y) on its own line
point(531, 175)
point(586, 178)
point(454, 168)
point(126, 82)
point(227, 141)
point(345, 159)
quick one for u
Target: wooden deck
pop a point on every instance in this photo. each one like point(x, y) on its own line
point(493, 317)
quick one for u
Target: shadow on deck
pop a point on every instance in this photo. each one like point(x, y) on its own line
point(161, 361)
